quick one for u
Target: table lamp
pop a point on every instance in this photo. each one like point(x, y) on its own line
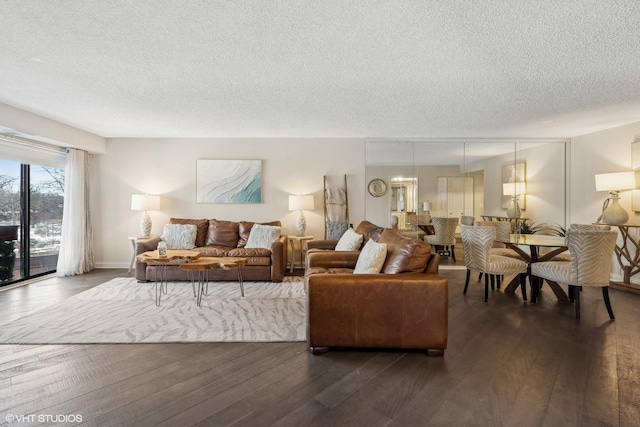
point(614, 183)
point(300, 203)
point(145, 202)
point(426, 207)
point(515, 190)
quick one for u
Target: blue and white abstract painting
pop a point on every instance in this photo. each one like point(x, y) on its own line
point(229, 181)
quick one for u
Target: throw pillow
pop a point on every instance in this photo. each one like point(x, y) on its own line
point(263, 236)
point(371, 259)
point(405, 254)
point(245, 230)
point(350, 241)
point(222, 233)
point(201, 224)
point(180, 236)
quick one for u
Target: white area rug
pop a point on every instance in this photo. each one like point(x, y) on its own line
point(124, 311)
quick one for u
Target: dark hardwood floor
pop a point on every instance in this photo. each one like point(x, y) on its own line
point(508, 363)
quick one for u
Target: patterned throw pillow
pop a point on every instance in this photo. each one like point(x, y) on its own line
point(180, 236)
point(371, 259)
point(350, 241)
point(263, 236)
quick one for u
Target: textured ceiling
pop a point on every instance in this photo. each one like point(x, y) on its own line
point(324, 68)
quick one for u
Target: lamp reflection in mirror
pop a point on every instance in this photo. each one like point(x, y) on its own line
point(515, 190)
point(300, 203)
point(614, 183)
point(426, 207)
point(145, 202)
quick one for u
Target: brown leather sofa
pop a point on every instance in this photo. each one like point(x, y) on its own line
point(217, 238)
point(403, 307)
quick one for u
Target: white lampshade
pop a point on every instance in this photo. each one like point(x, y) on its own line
point(514, 188)
point(301, 202)
point(145, 202)
point(426, 206)
point(616, 181)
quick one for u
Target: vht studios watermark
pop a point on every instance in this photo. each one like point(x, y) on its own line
point(43, 418)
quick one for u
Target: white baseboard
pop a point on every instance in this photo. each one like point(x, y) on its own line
point(113, 265)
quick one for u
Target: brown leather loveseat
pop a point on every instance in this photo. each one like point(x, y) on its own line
point(403, 307)
point(217, 238)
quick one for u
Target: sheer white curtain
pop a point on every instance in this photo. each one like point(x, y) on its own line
point(76, 248)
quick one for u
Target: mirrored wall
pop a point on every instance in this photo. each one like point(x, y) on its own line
point(426, 178)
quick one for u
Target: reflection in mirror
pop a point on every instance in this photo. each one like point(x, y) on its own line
point(403, 202)
point(466, 177)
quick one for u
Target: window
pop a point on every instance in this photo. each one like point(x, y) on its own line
point(31, 202)
point(46, 197)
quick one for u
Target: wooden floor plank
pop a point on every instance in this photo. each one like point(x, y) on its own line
point(508, 363)
point(111, 397)
point(276, 402)
point(156, 407)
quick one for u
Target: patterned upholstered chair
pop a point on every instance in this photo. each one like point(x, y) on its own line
point(445, 235)
point(590, 265)
point(466, 220)
point(477, 242)
point(503, 231)
point(566, 256)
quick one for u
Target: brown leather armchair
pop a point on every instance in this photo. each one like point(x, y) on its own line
point(403, 307)
point(366, 228)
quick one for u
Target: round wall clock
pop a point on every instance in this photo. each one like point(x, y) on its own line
point(377, 187)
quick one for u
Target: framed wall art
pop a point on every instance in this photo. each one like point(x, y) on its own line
point(228, 181)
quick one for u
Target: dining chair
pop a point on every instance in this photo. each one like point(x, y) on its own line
point(503, 232)
point(477, 242)
point(566, 256)
point(590, 265)
point(445, 235)
point(467, 220)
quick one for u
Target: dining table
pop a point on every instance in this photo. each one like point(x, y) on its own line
point(535, 242)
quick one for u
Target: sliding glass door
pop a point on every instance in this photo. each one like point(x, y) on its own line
point(31, 201)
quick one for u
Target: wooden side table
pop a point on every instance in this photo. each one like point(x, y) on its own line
point(300, 249)
point(629, 251)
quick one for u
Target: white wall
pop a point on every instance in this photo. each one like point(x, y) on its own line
point(50, 131)
point(167, 167)
point(601, 152)
point(545, 171)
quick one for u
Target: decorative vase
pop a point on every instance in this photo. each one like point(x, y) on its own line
point(162, 249)
point(145, 224)
point(301, 224)
point(614, 214)
point(514, 208)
